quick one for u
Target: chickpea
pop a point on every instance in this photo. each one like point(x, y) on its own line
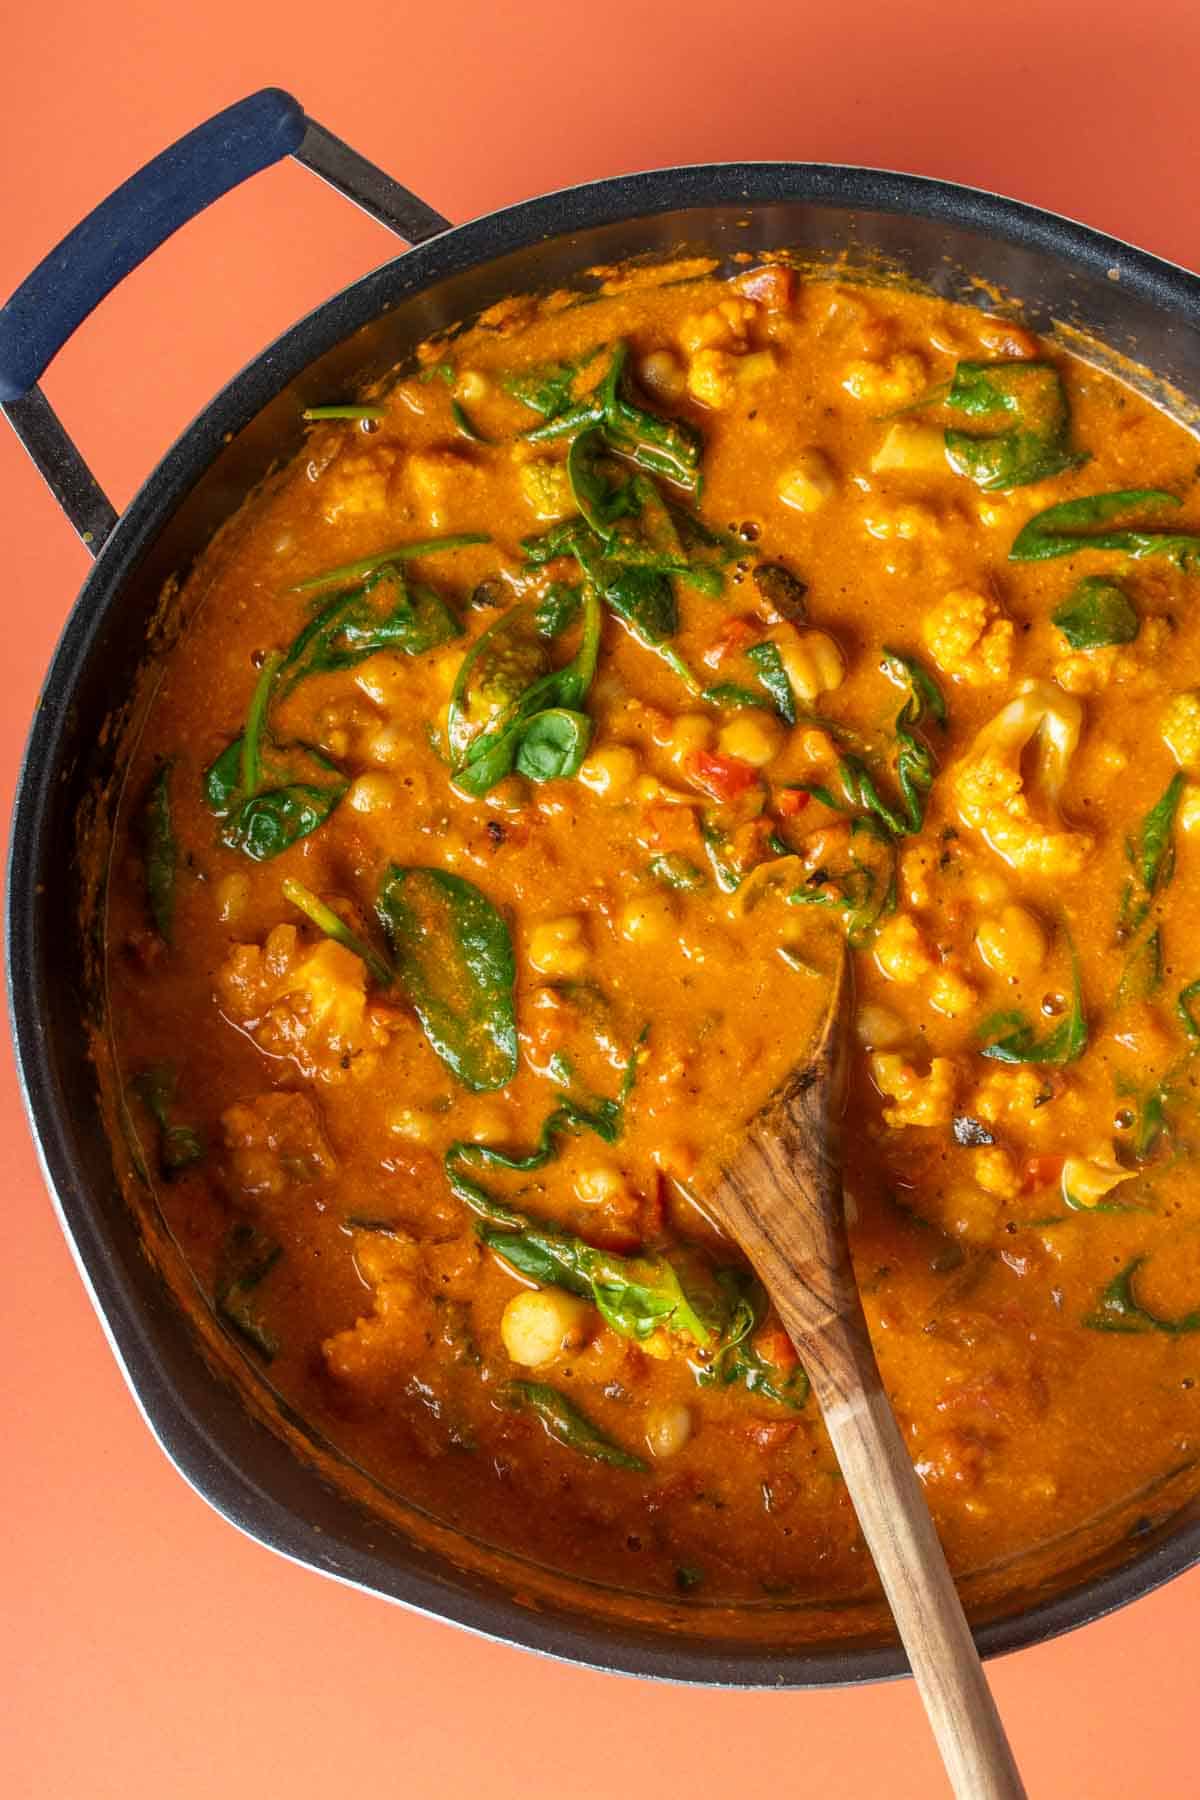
point(661, 374)
point(668, 1429)
point(489, 1123)
point(559, 947)
point(600, 1185)
point(807, 482)
point(811, 661)
point(1011, 943)
point(691, 731)
point(756, 740)
point(233, 897)
point(647, 920)
point(471, 386)
point(537, 1327)
point(410, 1123)
point(878, 1027)
point(387, 746)
point(610, 771)
point(372, 794)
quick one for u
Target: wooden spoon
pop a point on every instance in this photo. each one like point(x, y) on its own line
point(780, 1197)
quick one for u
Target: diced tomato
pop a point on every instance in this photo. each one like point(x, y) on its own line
point(790, 801)
point(670, 826)
point(735, 635)
point(1040, 1172)
point(773, 1344)
point(724, 777)
point(772, 286)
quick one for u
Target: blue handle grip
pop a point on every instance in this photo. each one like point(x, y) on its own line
point(142, 214)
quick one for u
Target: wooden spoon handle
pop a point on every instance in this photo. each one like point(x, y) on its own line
point(895, 1520)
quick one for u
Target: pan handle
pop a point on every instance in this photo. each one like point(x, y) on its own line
point(132, 222)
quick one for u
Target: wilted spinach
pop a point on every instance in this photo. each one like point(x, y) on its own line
point(179, 1146)
point(1151, 857)
point(1119, 1309)
point(668, 447)
point(247, 1258)
point(160, 852)
point(453, 957)
point(509, 709)
point(565, 1423)
point(385, 613)
point(1097, 612)
point(1026, 407)
point(1012, 1038)
point(1065, 529)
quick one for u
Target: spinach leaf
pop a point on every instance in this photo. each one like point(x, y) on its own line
point(268, 805)
point(160, 852)
point(736, 1362)
point(1142, 975)
point(247, 1258)
point(730, 697)
point(769, 667)
point(915, 766)
point(570, 1115)
point(1096, 613)
point(179, 1145)
point(668, 447)
point(1027, 408)
point(326, 920)
point(636, 1295)
point(566, 1424)
point(453, 957)
point(271, 821)
point(1151, 856)
point(386, 613)
point(1185, 1007)
point(353, 574)
point(1119, 1309)
point(865, 891)
point(677, 872)
point(344, 412)
point(1063, 530)
point(466, 426)
point(544, 388)
point(554, 744)
point(505, 691)
point(1013, 1039)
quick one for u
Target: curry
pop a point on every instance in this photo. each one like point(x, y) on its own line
point(533, 736)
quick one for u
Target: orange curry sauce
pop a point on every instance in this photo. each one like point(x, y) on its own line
point(793, 684)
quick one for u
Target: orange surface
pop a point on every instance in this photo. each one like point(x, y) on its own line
point(148, 1649)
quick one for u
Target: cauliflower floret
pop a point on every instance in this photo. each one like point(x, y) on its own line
point(356, 484)
point(716, 376)
point(890, 383)
point(994, 1170)
point(1017, 1097)
point(1086, 1180)
point(547, 489)
point(1181, 730)
point(989, 784)
point(309, 1004)
point(724, 327)
point(902, 953)
point(1125, 665)
point(399, 1324)
point(275, 1142)
point(919, 1099)
point(449, 491)
point(969, 638)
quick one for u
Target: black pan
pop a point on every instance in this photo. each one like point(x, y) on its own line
point(268, 1478)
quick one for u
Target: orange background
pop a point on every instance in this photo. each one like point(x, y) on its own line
point(147, 1648)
